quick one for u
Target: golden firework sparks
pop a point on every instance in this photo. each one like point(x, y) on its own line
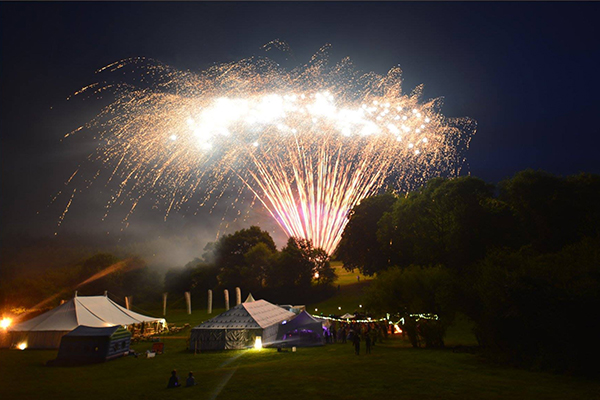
point(309, 143)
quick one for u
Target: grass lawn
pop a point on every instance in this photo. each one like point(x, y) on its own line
point(393, 371)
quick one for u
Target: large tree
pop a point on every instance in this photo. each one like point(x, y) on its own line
point(553, 211)
point(452, 222)
point(298, 264)
point(293, 266)
point(230, 255)
point(359, 247)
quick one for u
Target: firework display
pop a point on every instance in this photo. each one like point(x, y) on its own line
point(307, 143)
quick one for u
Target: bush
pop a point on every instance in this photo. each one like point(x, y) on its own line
point(539, 310)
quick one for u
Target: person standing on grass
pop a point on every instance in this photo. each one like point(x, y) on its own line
point(373, 333)
point(356, 342)
point(333, 333)
point(368, 342)
point(173, 380)
point(343, 334)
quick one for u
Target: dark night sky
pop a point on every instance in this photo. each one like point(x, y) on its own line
point(527, 72)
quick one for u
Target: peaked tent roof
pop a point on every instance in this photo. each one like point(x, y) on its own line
point(302, 319)
point(93, 311)
point(258, 314)
point(95, 332)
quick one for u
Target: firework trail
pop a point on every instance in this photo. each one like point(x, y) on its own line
point(308, 143)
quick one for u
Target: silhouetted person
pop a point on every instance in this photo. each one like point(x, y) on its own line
point(173, 380)
point(367, 343)
point(410, 327)
point(356, 343)
point(374, 333)
point(190, 381)
point(333, 334)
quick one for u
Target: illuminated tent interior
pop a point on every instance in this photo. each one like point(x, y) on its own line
point(302, 331)
point(239, 327)
point(45, 331)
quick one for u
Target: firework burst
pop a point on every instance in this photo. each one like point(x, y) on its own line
point(307, 143)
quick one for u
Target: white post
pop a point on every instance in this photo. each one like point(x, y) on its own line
point(226, 292)
point(128, 302)
point(165, 303)
point(209, 301)
point(238, 296)
point(188, 301)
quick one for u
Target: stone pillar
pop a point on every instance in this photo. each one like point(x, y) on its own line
point(165, 303)
point(226, 292)
point(188, 302)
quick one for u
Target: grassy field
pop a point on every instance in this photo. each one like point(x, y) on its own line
point(393, 371)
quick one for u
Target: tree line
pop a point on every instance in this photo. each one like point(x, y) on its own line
point(520, 259)
point(247, 259)
point(250, 260)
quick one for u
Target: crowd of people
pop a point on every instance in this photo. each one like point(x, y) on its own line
point(338, 332)
point(356, 332)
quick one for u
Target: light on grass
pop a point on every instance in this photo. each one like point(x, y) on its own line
point(258, 343)
point(22, 346)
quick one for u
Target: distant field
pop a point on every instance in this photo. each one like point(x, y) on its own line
point(393, 371)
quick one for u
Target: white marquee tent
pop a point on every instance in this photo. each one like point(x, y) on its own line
point(45, 331)
point(238, 327)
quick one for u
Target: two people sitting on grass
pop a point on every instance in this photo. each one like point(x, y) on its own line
point(174, 380)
